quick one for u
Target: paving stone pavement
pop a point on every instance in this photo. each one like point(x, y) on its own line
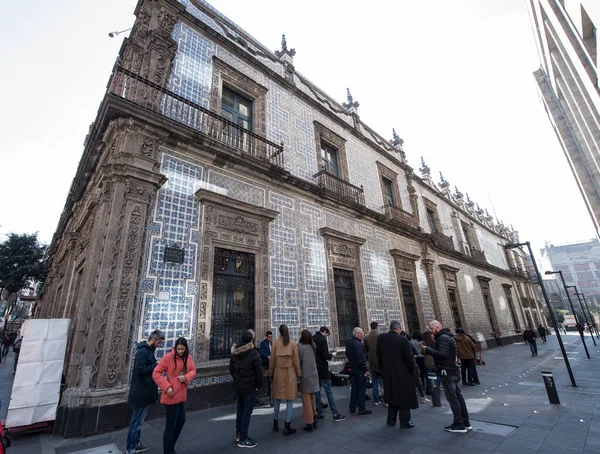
point(512, 395)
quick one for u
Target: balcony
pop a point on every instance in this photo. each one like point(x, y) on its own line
point(519, 272)
point(157, 99)
point(402, 217)
point(478, 256)
point(335, 186)
point(442, 241)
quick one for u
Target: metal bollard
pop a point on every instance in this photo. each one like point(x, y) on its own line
point(550, 388)
point(435, 390)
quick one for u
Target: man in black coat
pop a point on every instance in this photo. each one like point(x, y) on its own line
point(444, 355)
point(529, 337)
point(143, 391)
point(359, 371)
point(398, 367)
point(246, 369)
point(323, 356)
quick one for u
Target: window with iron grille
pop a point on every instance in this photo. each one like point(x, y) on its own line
point(345, 301)
point(233, 300)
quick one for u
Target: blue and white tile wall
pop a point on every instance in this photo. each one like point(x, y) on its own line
point(168, 291)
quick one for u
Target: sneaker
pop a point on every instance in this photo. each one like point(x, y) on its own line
point(377, 404)
point(456, 429)
point(425, 400)
point(468, 426)
point(339, 417)
point(248, 443)
point(366, 412)
point(141, 447)
point(237, 437)
point(320, 418)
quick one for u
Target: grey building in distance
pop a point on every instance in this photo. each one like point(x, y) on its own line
point(567, 79)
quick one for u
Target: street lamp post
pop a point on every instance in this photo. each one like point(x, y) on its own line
point(592, 316)
point(552, 314)
point(572, 309)
point(577, 294)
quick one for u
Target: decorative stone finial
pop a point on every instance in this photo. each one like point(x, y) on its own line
point(351, 104)
point(470, 204)
point(284, 49)
point(396, 141)
point(457, 193)
point(425, 170)
point(443, 182)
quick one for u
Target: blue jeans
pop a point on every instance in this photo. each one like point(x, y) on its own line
point(326, 384)
point(245, 405)
point(455, 399)
point(533, 347)
point(375, 378)
point(289, 408)
point(358, 392)
point(135, 428)
point(175, 419)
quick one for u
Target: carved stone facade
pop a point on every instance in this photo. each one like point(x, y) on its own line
point(150, 178)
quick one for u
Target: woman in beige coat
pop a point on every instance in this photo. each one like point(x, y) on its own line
point(284, 367)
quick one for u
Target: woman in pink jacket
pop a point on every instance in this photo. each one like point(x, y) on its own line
point(179, 370)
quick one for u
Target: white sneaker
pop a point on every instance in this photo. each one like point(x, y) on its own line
point(425, 400)
point(377, 404)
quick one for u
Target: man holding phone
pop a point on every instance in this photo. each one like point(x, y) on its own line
point(323, 355)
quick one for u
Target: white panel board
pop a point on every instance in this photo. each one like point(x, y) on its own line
point(36, 387)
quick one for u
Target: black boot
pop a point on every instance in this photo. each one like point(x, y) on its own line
point(288, 430)
point(314, 424)
point(275, 425)
point(308, 427)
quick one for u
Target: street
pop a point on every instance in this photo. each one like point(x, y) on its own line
point(509, 412)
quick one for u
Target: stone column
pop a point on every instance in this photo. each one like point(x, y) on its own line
point(435, 303)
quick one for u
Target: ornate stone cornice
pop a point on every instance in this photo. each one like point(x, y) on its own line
point(397, 253)
point(213, 198)
point(329, 232)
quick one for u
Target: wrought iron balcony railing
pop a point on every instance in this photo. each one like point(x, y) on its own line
point(329, 183)
point(519, 272)
point(157, 99)
point(401, 216)
point(478, 256)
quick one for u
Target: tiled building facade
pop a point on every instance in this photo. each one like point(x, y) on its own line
point(220, 190)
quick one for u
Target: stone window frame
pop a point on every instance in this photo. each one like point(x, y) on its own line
point(450, 274)
point(386, 172)
point(484, 284)
point(324, 134)
point(471, 236)
point(223, 74)
point(236, 225)
point(402, 261)
point(436, 218)
point(343, 252)
point(511, 303)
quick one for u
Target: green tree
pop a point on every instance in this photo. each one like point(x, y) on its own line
point(21, 263)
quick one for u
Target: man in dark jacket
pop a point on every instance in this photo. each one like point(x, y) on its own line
point(323, 356)
point(542, 332)
point(143, 391)
point(529, 337)
point(399, 370)
point(371, 348)
point(359, 371)
point(444, 355)
point(246, 369)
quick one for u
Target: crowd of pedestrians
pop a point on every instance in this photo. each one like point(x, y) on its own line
point(401, 369)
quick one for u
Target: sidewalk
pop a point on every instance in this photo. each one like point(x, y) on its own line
point(509, 412)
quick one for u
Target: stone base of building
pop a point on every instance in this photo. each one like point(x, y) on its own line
point(96, 419)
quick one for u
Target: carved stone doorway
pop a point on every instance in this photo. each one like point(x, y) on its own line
point(410, 307)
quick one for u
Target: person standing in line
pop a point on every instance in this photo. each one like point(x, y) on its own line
point(429, 361)
point(444, 354)
point(530, 337)
point(323, 356)
point(309, 380)
point(143, 391)
point(257, 401)
point(247, 371)
point(416, 338)
point(399, 368)
point(542, 332)
point(464, 349)
point(178, 367)
point(265, 356)
point(284, 367)
point(475, 374)
point(359, 371)
point(371, 348)
point(416, 353)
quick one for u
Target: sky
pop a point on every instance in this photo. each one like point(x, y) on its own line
point(454, 78)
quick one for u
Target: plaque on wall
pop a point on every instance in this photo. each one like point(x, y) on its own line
point(174, 254)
